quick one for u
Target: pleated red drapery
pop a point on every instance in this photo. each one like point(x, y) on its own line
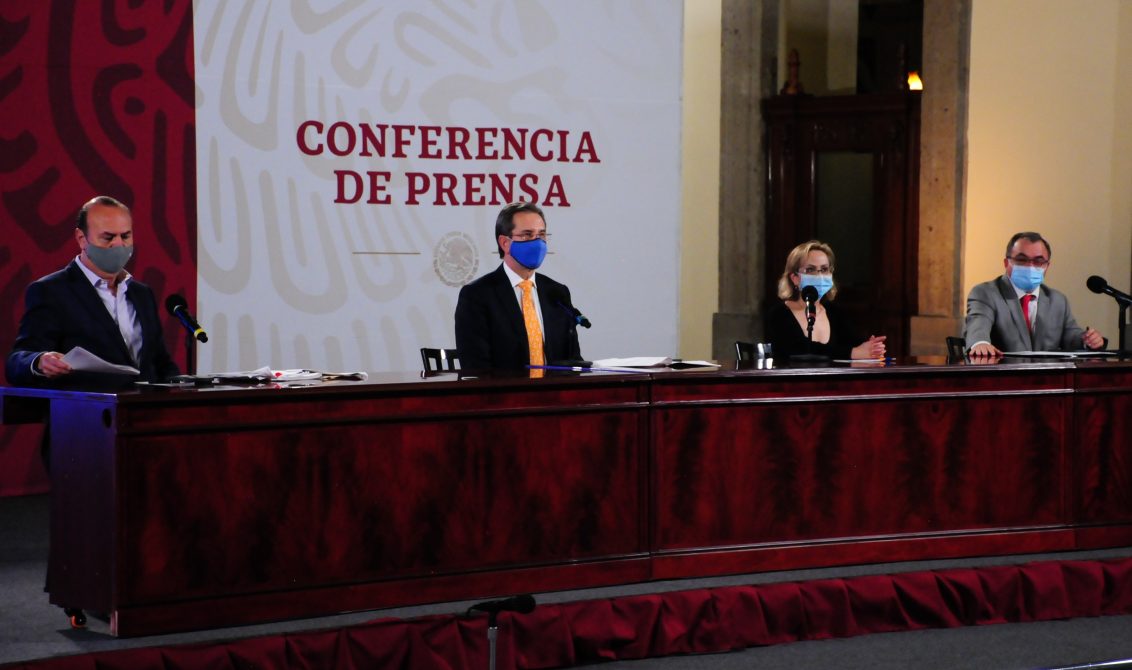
point(679, 622)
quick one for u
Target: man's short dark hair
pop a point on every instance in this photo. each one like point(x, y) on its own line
point(1029, 237)
point(104, 200)
point(505, 221)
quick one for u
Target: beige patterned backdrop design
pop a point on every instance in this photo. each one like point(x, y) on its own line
point(290, 278)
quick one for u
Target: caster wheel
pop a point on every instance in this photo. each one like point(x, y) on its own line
point(77, 617)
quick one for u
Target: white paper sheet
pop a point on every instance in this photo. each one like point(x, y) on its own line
point(633, 362)
point(82, 360)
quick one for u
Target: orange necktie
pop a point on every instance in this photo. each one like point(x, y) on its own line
point(530, 320)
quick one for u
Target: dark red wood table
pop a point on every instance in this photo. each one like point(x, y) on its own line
point(177, 509)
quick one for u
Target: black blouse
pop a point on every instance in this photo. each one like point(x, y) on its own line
point(788, 337)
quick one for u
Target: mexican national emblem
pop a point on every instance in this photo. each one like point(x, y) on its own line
point(455, 260)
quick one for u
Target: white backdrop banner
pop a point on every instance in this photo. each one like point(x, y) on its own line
point(352, 157)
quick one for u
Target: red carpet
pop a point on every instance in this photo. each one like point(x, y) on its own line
point(706, 620)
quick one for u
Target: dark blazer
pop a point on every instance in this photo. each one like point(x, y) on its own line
point(489, 324)
point(994, 314)
point(63, 310)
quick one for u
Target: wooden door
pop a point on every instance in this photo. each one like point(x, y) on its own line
point(845, 170)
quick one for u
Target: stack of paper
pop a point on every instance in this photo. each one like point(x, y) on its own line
point(650, 362)
point(82, 360)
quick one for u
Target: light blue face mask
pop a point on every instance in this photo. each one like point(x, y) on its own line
point(529, 253)
point(821, 282)
point(1027, 278)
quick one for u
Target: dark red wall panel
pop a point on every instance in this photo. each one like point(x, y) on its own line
point(97, 98)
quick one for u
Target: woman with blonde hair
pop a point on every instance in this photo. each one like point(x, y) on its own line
point(811, 264)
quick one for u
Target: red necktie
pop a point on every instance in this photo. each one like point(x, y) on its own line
point(1026, 310)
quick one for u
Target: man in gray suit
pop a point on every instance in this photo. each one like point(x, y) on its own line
point(1017, 312)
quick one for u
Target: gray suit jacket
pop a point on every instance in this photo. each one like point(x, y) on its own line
point(994, 314)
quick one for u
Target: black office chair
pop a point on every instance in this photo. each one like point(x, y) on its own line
point(744, 351)
point(956, 349)
point(439, 360)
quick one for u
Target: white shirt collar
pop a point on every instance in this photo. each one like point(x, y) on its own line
point(514, 277)
point(1019, 292)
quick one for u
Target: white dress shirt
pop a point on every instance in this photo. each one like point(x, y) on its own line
point(514, 278)
point(121, 310)
point(1033, 311)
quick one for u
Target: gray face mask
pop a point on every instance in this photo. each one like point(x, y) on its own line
point(110, 260)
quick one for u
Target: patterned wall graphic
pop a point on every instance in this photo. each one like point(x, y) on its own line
point(353, 157)
point(96, 98)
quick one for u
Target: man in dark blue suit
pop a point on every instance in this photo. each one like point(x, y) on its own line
point(511, 318)
point(95, 304)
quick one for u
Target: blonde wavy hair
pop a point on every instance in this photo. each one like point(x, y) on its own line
point(794, 260)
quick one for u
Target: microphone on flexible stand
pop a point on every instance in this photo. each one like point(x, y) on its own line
point(575, 314)
point(521, 604)
point(1099, 285)
point(810, 297)
point(179, 307)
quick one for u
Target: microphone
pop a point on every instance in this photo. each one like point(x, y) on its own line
point(522, 604)
point(1099, 285)
point(179, 307)
point(575, 314)
point(810, 295)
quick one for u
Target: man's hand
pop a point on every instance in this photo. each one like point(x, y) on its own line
point(1092, 339)
point(50, 364)
point(984, 350)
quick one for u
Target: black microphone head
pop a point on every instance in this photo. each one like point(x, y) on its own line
point(524, 604)
point(174, 301)
point(809, 294)
point(1096, 284)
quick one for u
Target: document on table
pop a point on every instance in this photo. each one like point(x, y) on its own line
point(296, 375)
point(633, 362)
point(82, 360)
point(651, 362)
point(266, 374)
point(1058, 354)
point(637, 363)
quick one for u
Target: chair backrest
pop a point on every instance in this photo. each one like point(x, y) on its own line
point(744, 351)
point(956, 349)
point(438, 360)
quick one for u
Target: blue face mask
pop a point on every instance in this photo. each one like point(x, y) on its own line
point(530, 253)
point(1027, 278)
point(820, 282)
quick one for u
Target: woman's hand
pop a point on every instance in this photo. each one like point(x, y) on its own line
point(870, 348)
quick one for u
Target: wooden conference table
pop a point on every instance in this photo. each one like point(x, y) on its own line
point(177, 509)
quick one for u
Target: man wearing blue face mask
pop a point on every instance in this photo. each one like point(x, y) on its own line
point(513, 317)
point(93, 303)
point(1018, 312)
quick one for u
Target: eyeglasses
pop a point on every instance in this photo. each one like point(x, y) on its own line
point(1022, 259)
point(527, 236)
point(814, 270)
